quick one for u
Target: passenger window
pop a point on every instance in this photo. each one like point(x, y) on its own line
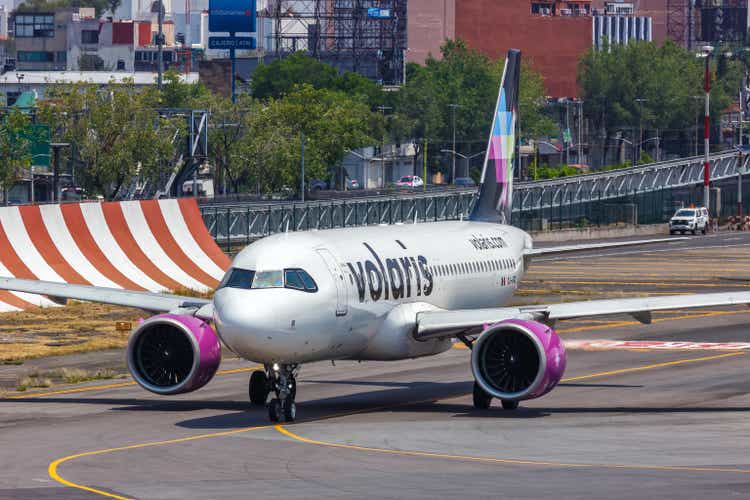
point(237, 278)
point(268, 279)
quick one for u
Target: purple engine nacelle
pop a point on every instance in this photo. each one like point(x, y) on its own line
point(173, 354)
point(518, 359)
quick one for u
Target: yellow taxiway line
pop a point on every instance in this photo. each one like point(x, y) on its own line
point(54, 474)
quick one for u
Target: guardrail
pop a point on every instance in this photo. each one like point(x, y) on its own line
point(598, 198)
point(245, 223)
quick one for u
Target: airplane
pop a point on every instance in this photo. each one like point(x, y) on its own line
point(392, 292)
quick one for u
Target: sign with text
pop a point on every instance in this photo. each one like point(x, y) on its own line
point(231, 16)
point(231, 42)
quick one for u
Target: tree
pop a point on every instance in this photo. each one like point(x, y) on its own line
point(331, 121)
point(178, 94)
point(280, 77)
point(471, 80)
point(117, 134)
point(15, 147)
point(641, 84)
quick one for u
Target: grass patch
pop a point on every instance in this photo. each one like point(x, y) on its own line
point(33, 382)
point(189, 292)
point(64, 376)
point(51, 331)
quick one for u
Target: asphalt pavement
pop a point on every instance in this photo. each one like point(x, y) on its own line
point(668, 417)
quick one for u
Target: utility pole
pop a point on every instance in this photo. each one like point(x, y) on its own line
point(453, 107)
point(567, 127)
point(382, 141)
point(302, 166)
point(707, 50)
point(160, 44)
point(580, 131)
point(640, 127)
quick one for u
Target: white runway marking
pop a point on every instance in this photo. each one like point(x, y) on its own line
point(596, 345)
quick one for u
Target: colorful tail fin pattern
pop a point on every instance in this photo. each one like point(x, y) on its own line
point(496, 192)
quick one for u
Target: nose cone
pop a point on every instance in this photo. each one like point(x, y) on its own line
point(267, 326)
point(244, 326)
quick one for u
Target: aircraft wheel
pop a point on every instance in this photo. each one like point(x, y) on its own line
point(509, 404)
point(274, 410)
point(290, 410)
point(258, 388)
point(482, 400)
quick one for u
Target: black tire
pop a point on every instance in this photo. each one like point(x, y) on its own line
point(258, 388)
point(671, 232)
point(692, 231)
point(290, 410)
point(274, 410)
point(703, 231)
point(482, 400)
point(509, 404)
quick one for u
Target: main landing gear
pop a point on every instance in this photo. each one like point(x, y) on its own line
point(482, 400)
point(281, 379)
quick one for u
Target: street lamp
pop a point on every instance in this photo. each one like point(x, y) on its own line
point(382, 142)
point(466, 159)
point(640, 125)
point(453, 107)
point(705, 53)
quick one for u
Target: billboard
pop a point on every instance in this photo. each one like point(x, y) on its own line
point(231, 16)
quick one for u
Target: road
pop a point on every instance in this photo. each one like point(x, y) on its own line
point(625, 423)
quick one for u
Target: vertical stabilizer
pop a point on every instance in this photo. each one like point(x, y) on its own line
point(496, 192)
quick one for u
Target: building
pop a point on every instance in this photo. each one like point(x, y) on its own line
point(552, 34)
point(15, 83)
point(375, 169)
point(75, 40)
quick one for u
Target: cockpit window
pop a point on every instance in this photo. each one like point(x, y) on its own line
point(298, 279)
point(268, 279)
point(237, 278)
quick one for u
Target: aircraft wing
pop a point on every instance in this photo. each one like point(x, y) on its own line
point(533, 252)
point(154, 302)
point(432, 324)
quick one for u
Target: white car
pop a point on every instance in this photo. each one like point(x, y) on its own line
point(413, 181)
point(689, 219)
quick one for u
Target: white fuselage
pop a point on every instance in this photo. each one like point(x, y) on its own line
point(372, 282)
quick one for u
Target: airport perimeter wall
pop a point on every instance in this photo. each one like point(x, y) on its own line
point(137, 245)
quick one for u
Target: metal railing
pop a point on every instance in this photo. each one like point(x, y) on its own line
point(643, 194)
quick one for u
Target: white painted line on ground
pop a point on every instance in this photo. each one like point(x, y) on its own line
point(654, 344)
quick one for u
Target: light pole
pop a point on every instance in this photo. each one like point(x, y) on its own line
point(695, 132)
point(705, 53)
point(382, 141)
point(453, 107)
point(466, 158)
point(640, 125)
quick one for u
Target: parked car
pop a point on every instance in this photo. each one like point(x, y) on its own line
point(465, 182)
point(317, 185)
point(352, 184)
point(689, 219)
point(412, 181)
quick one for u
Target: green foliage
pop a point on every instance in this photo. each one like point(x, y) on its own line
point(15, 146)
point(117, 134)
point(178, 94)
point(279, 78)
point(471, 80)
point(669, 78)
point(100, 6)
point(547, 172)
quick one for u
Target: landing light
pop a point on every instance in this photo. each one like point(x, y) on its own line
point(276, 367)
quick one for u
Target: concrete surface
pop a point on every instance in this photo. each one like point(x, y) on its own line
point(624, 424)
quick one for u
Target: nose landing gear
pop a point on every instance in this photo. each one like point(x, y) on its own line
point(282, 380)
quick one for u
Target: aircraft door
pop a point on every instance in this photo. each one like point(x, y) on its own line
point(342, 301)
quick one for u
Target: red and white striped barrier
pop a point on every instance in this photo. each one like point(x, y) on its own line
point(137, 245)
